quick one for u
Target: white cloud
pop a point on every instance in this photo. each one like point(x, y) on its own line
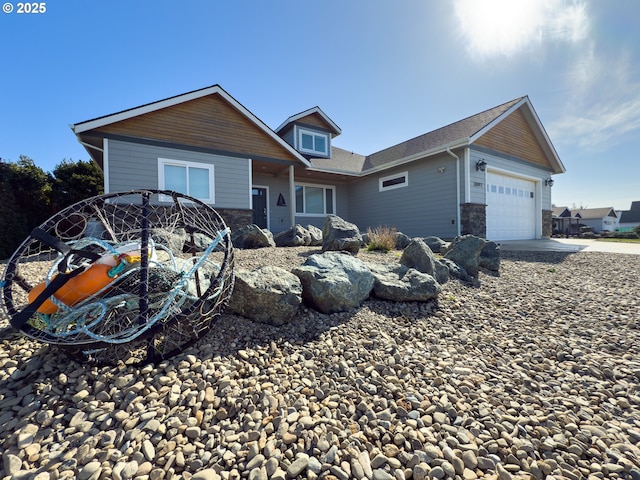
point(506, 27)
point(601, 106)
point(604, 106)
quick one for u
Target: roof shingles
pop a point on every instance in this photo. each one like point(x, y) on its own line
point(457, 132)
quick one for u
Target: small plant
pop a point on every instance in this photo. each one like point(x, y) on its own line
point(381, 238)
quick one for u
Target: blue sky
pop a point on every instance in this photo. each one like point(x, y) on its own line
point(384, 71)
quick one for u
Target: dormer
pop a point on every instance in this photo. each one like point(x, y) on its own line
point(310, 133)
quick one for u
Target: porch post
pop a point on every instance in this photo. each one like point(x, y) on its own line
point(292, 196)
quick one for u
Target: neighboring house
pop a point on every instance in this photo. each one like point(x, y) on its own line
point(564, 222)
point(488, 174)
point(600, 219)
point(629, 219)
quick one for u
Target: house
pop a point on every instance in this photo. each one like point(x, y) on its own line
point(600, 219)
point(488, 174)
point(629, 219)
point(564, 221)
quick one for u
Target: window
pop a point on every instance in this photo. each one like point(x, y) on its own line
point(190, 178)
point(313, 142)
point(398, 180)
point(315, 200)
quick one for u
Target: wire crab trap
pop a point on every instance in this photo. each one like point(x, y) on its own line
point(132, 276)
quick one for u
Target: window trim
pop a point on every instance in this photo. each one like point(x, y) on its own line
point(381, 180)
point(300, 131)
point(187, 164)
point(324, 199)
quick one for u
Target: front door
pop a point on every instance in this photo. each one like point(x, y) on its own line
point(259, 199)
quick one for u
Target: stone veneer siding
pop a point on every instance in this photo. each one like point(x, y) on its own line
point(473, 217)
point(547, 223)
point(235, 218)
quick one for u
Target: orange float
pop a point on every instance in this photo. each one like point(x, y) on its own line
point(77, 289)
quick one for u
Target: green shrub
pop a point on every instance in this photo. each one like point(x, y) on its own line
point(381, 238)
point(623, 235)
point(626, 235)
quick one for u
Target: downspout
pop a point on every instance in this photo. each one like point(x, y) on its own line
point(105, 164)
point(457, 188)
point(292, 196)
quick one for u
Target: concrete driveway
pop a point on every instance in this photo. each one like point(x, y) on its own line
point(569, 245)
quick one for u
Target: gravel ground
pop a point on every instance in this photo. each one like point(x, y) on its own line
point(531, 374)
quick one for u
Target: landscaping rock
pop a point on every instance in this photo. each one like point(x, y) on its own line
point(296, 236)
point(252, 236)
point(402, 240)
point(418, 255)
point(500, 374)
point(268, 295)
point(465, 252)
point(334, 282)
point(490, 257)
point(436, 244)
point(174, 239)
point(199, 244)
point(455, 270)
point(340, 235)
point(316, 235)
point(402, 284)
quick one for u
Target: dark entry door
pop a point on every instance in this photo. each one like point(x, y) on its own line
point(259, 206)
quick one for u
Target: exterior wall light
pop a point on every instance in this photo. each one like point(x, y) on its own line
point(481, 165)
point(549, 182)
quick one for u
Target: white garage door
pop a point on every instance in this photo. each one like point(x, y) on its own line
point(511, 208)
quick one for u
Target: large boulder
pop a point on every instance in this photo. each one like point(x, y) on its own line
point(296, 236)
point(174, 240)
point(198, 243)
point(419, 255)
point(316, 235)
point(267, 295)
point(490, 257)
point(403, 284)
point(340, 235)
point(334, 282)
point(454, 270)
point(436, 244)
point(465, 251)
point(252, 236)
point(207, 272)
point(402, 240)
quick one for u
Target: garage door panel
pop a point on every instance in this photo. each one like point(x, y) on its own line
point(511, 212)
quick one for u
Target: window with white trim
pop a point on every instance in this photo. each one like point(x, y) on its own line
point(190, 178)
point(390, 182)
point(312, 142)
point(315, 199)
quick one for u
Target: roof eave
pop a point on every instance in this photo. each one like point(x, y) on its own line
point(88, 125)
point(310, 111)
point(417, 156)
point(555, 159)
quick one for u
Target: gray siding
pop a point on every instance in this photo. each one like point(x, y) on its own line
point(132, 166)
point(505, 165)
point(288, 137)
point(279, 217)
point(427, 206)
